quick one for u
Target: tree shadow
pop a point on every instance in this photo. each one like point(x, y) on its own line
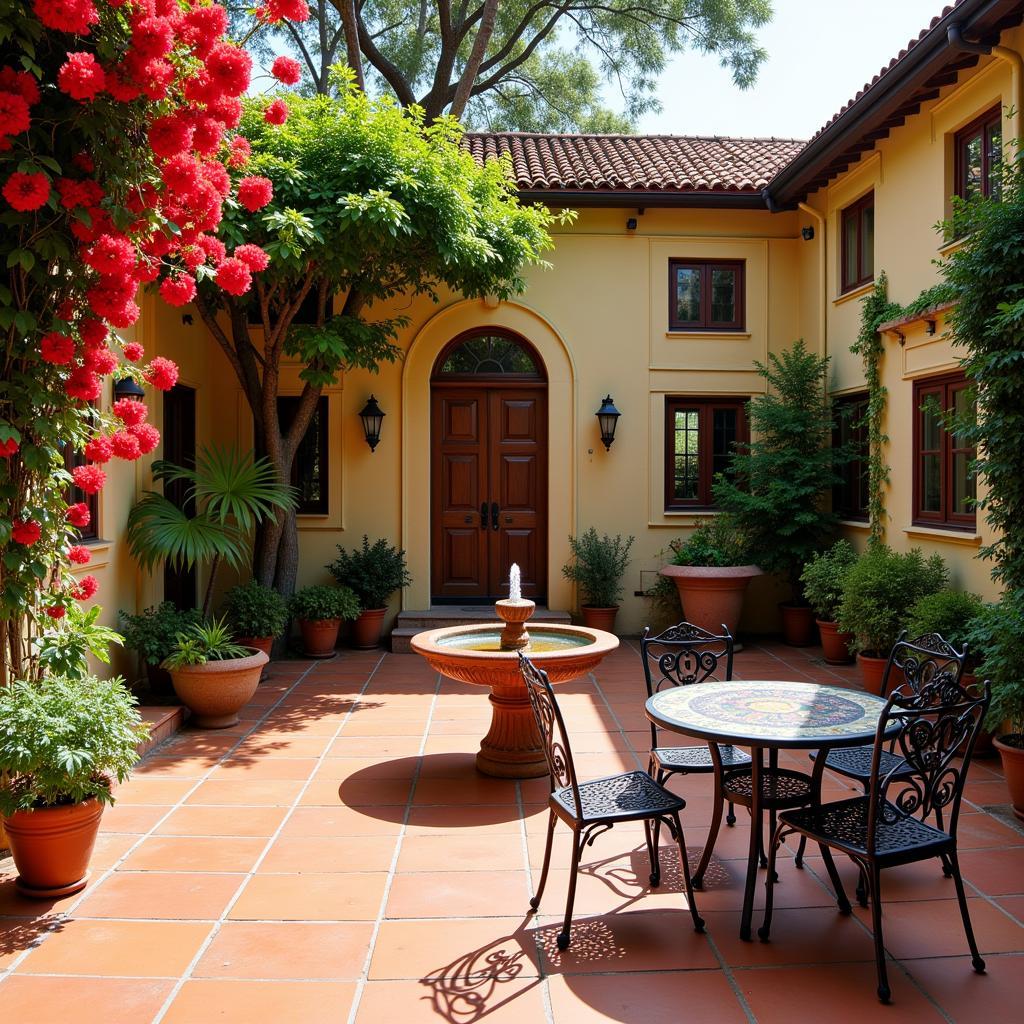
point(18, 934)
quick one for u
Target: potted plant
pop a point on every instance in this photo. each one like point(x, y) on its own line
point(879, 588)
point(596, 566)
point(320, 610)
point(214, 676)
point(712, 571)
point(373, 573)
point(777, 483)
point(64, 741)
point(256, 614)
point(152, 634)
point(822, 581)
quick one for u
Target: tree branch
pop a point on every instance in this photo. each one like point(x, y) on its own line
point(350, 26)
point(476, 56)
point(388, 70)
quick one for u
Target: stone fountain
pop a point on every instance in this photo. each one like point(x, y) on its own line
point(487, 654)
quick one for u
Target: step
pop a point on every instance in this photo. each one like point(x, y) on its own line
point(409, 623)
point(163, 721)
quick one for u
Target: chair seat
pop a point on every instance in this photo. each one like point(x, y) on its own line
point(697, 759)
point(855, 763)
point(844, 823)
point(619, 798)
point(780, 788)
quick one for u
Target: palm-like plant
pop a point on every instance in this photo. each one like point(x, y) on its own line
point(231, 494)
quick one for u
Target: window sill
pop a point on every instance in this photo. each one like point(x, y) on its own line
point(677, 513)
point(853, 293)
point(949, 535)
point(855, 524)
point(703, 335)
point(950, 247)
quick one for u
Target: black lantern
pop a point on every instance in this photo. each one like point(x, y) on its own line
point(608, 418)
point(127, 388)
point(372, 418)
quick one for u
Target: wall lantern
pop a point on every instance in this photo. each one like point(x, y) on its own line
point(807, 233)
point(608, 418)
point(127, 388)
point(372, 418)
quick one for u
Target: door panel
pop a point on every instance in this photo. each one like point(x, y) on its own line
point(179, 446)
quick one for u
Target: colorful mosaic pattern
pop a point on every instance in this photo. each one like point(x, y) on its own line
point(771, 711)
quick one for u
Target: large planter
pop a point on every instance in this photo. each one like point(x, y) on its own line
point(319, 637)
point(52, 846)
point(712, 597)
point(835, 645)
point(872, 669)
point(797, 624)
point(217, 691)
point(599, 618)
point(261, 643)
point(1012, 757)
point(366, 629)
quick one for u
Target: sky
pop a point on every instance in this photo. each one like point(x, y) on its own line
point(820, 53)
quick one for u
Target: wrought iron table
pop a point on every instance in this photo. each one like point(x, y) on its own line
point(767, 715)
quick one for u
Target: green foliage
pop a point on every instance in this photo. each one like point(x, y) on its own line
point(256, 611)
point(153, 632)
point(63, 740)
point(879, 588)
point(203, 642)
point(823, 578)
point(950, 613)
point(997, 637)
point(779, 480)
point(64, 648)
point(717, 542)
point(597, 565)
point(315, 604)
point(373, 572)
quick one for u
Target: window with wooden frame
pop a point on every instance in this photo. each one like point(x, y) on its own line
point(857, 222)
point(978, 151)
point(700, 434)
point(310, 470)
point(72, 459)
point(944, 478)
point(706, 295)
point(850, 496)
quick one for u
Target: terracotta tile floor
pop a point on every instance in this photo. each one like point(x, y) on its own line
point(337, 858)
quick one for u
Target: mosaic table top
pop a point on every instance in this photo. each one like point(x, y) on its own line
point(768, 713)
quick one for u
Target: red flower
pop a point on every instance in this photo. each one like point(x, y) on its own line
point(85, 589)
point(252, 256)
point(255, 192)
point(111, 254)
point(276, 113)
point(14, 117)
point(57, 348)
point(79, 193)
point(212, 247)
point(84, 162)
point(229, 69)
point(228, 110)
point(92, 332)
point(99, 449)
point(234, 276)
point(73, 16)
point(283, 10)
point(287, 70)
point(82, 384)
point(202, 27)
point(100, 361)
point(88, 478)
point(56, 611)
point(78, 515)
point(81, 76)
point(170, 135)
point(8, 448)
point(26, 531)
point(162, 373)
point(27, 192)
point(207, 136)
point(215, 174)
point(147, 435)
point(126, 446)
point(240, 152)
point(79, 555)
point(152, 37)
point(130, 411)
point(21, 83)
point(180, 173)
point(133, 351)
point(179, 290)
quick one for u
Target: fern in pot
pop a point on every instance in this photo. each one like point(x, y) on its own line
point(320, 611)
point(597, 565)
point(373, 572)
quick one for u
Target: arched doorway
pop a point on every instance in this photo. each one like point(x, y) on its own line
point(489, 476)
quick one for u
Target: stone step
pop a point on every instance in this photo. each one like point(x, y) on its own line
point(409, 623)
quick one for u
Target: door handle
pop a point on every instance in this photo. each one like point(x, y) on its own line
point(494, 515)
point(483, 515)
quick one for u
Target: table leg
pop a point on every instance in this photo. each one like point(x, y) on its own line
point(756, 826)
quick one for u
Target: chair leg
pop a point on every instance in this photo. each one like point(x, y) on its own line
point(652, 852)
point(833, 874)
point(799, 859)
point(577, 853)
point(730, 818)
point(875, 886)
point(947, 864)
point(535, 900)
point(769, 886)
point(698, 921)
point(976, 960)
point(709, 845)
point(861, 891)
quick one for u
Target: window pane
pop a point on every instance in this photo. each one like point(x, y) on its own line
point(687, 294)
point(724, 424)
point(931, 423)
point(686, 483)
point(309, 470)
point(490, 355)
point(931, 483)
point(723, 296)
point(970, 166)
point(963, 484)
point(867, 243)
point(850, 223)
point(994, 146)
point(963, 410)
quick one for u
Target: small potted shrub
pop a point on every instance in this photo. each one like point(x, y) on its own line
point(373, 573)
point(214, 676)
point(596, 567)
point(822, 581)
point(879, 588)
point(64, 742)
point(256, 614)
point(153, 633)
point(320, 610)
point(712, 571)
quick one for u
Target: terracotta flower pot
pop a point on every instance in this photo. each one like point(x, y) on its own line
point(217, 691)
point(835, 645)
point(599, 618)
point(1012, 756)
point(319, 637)
point(872, 669)
point(712, 597)
point(261, 643)
point(52, 847)
point(797, 624)
point(367, 628)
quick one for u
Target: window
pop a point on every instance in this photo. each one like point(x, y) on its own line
point(309, 470)
point(705, 296)
point(850, 497)
point(979, 155)
point(306, 313)
point(858, 243)
point(72, 459)
point(491, 354)
point(944, 482)
point(699, 438)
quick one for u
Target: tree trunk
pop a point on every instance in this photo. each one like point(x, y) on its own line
point(476, 56)
point(350, 24)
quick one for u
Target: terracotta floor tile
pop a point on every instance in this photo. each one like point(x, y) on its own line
point(247, 792)
point(283, 950)
point(995, 872)
point(245, 768)
point(449, 792)
point(952, 983)
point(329, 853)
point(223, 821)
point(980, 830)
point(174, 766)
point(311, 897)
point(17, 935)
point(466, 893)
point(354, 791)
point(261, 1002)
point(189, 853)
point(135, 819)
point(506, 1000)
point(282, 746)
point(344, 821)
point(369, 768)
point(149, 790)
point(13, 904)
point(109, 849)
point(1013, 905)
point(368, 746)
point(90, 1000)
point(452, 851)
point(481, 818)
point(161, 895)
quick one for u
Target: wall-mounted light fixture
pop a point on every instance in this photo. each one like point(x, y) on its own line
point(372, 418)
point(127, 388)
point(631, 224)
point(807, 233)
point(608, 419)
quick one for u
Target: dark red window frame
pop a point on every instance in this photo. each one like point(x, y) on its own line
point(706, 408)
point(852, 219)
point(314, 444)
point(941, 390)
point(704, 321)
point(850, 498)
point(980, 128)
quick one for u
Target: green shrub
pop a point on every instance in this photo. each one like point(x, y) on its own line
point(315, 604)
point(823, 578)
point(64, 647)
point(717, 542)
point(596, 566)
point(373, 572)
point(64, 740)
point(950, 613)
point(254, 610)
point(997, 637)
point(203, 642)
point(879, 588)
point(154, 632)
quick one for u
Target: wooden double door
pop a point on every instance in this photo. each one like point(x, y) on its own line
point(488, 490)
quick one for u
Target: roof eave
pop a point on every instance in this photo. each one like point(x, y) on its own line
point(626, 199)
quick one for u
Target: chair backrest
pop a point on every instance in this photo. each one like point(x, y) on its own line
point(923, 659)
point(682, 655)
point(554, 737)
point(926, 728)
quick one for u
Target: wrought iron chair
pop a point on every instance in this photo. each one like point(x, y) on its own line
point(590, 808)
point(682, 655)
point(923, 728)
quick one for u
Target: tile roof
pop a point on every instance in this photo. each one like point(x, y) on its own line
point(636, 163)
